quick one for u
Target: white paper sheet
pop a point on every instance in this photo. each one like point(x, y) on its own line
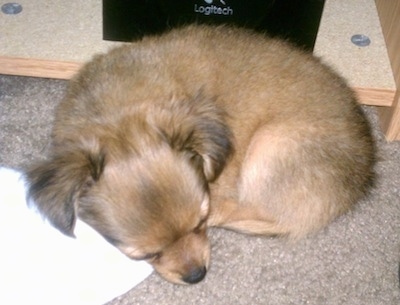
point(39, 265)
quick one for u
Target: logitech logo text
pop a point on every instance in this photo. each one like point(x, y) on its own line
point(211, 9)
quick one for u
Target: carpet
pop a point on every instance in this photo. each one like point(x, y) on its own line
point(355, 260)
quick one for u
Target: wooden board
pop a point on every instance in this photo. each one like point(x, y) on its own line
point(389, 13)
point(53, 38)
point(367, 69)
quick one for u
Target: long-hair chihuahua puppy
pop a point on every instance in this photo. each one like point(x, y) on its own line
point(202, 126)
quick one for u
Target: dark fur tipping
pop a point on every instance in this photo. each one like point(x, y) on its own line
point(60, 182)
point(199, 127)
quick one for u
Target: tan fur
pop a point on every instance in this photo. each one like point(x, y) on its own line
point(203, 125)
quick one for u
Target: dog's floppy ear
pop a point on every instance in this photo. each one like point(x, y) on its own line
point(200, 129)
point(211, 140)
point(56, 184)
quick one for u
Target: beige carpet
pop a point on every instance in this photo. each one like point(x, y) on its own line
point(354, 261)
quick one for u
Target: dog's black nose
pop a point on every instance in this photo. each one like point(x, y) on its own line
point(195, 276)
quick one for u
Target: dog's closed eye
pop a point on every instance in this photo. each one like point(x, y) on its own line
point(151, 256)
point(148, 256)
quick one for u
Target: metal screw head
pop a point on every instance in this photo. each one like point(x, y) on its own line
point(11, 8)
point(360, 40)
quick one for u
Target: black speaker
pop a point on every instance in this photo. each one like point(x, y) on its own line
point(295, 20)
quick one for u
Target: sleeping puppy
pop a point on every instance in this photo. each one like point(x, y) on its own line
point(202, 126)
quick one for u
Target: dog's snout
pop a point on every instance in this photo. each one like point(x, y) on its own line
point(195, 276)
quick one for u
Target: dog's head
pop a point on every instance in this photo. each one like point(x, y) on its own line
point(145, 190)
